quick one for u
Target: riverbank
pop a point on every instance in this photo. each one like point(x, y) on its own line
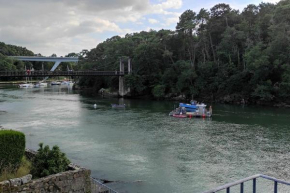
point(234, 99)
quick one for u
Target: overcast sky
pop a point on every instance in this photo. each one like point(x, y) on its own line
point(64, 26)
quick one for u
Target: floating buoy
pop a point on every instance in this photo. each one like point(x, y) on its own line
point(95, 105)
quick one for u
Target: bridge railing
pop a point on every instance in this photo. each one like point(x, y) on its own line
point(59, 73)
point(255, 188)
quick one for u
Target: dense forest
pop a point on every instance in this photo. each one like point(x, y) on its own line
point(220, 54)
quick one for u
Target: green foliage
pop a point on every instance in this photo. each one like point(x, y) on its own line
point(135, 82)
point(11, 50)
point(263, 91)
point(12, 172)
point(12, 147)
point(47, 162)
point(9, 64)
point(158, 91)
point(211, 54)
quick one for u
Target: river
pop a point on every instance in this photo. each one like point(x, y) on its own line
point(143, 148)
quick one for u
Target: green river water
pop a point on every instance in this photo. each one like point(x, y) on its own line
point(143, 148)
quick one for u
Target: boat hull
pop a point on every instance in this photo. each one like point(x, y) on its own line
point(195, 114)
point(179, 116)
point(55, 83)
point(26, 85)
point(118, 106)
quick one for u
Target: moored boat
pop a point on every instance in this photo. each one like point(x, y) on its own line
point(67, 83)
point(188, 106)
point(43, 84)
point(192, 106)
point(40, 84)
point(26, 85)
point(118, 106)
point(55, 83)
point(192, 110)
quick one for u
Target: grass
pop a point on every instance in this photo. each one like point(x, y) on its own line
point(22, 170)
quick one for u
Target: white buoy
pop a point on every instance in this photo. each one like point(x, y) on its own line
point(95, 105)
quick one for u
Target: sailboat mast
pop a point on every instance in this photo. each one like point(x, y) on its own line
point(25, 72)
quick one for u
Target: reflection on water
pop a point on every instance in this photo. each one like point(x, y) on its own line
point(145, 149)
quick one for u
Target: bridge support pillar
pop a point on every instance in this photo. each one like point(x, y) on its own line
point(129, 72)
point(122, 88)
point(121, 80)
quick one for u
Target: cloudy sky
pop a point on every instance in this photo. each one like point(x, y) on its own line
point(64, 26)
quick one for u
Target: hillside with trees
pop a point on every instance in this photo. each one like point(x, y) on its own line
point(7, 63)
point(220, 55)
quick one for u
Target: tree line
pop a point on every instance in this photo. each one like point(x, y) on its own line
point(220, 54)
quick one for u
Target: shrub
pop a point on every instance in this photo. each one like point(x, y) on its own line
point(12, 148)
point(159, 91)
point(47, 162)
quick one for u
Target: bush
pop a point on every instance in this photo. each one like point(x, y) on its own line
point(12, 148)
point(47, 162)
point(159, 91)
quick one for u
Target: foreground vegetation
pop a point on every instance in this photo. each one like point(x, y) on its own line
point(49, 161)
point(10, 172)
point(13, 163)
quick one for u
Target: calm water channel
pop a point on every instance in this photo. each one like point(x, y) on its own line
point(146, 150)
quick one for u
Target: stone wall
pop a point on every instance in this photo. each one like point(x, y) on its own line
point(76, 180)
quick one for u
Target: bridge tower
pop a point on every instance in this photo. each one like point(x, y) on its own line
point(122, 88)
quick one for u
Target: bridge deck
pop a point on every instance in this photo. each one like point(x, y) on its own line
point(59, 73)
point(46, 59)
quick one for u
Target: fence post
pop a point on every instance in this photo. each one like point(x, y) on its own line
point(276, 187)
point(254, 185)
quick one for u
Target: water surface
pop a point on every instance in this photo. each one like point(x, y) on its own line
point(143, 148)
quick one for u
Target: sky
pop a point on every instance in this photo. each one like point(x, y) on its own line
point(64, 26)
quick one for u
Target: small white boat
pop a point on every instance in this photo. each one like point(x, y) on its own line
point(55, 83)
point(118, 106)
point(64, 83)
point(26, 85)
point(40, 84)
point(67, 83)
point(43, 84)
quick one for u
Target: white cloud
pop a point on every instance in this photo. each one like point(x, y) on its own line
point(169, 4)
point(171, 20)
point(68, 26)
point(153, 21)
